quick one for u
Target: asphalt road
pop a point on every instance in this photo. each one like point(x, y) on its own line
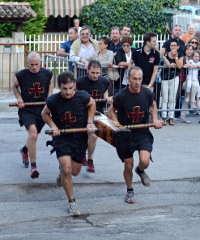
point(37, 209)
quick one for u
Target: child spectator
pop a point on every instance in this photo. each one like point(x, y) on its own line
point(192, 79)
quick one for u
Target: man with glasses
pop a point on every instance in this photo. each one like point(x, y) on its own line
point(65, 47)
point(147, 58)
point(115, 40)
point(176, 32)
point(84, 46)
point(189, 34)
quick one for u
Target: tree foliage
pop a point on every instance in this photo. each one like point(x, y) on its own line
point(141, 15)
point(34, 25)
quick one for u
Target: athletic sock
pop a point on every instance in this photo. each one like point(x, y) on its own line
point(33, 164)
point(25, 149)
point(90, 161)
point(129, 190)
point(139, 171)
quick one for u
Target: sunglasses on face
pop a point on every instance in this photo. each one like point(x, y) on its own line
point(194, 42)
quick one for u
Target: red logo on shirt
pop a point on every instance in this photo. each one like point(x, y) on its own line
point(152, 59)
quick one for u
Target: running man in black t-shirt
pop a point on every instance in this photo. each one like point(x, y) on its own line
point(133, 104)
point(35, 86)
point(70, 108)
point(97, 87)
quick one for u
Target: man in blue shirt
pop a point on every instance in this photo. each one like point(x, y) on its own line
point(65, 47)
point(115, 40)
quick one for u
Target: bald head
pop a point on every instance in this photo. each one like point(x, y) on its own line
point(191, 30)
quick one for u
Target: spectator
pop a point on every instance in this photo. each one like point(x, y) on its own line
point(83, 47)
point(170, 80)
point(157, 83)
point(189, 50)
point(193, 79)
point(189, 34)
point(104, 56)
point(147, 58)
point(76, 25)
point(126, 32)
point(123, 57)
point(176, 32)
point(65, 47)
point(115, 40)
point(194, 41)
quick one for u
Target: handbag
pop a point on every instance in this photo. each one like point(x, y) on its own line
point(113, 73)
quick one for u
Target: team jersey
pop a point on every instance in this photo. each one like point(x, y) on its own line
point(34, 87)
point(133, 108)
point(69, 113)
point(95, 88)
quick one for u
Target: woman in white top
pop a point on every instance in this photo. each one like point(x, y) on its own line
point(103, 56)
point(123, 58)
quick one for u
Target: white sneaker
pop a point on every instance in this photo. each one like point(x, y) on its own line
point(187, 99)
point(183, 120)
point(73, 209)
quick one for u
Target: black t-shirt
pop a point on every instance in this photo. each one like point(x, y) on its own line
point(170, 73)
point(34, 87)
point(181, 49)
point(95, 88)
point(69, 113)
point(146, 62)
point(133, 108)
point(114, 47)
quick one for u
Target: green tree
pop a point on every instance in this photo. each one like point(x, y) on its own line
point(34, 25)
point(141, 15)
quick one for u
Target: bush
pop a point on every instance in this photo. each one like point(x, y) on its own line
point(142, 15)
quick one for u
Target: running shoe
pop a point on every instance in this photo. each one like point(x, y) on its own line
point(34, 172)
point(24, 158)
point(90, 167)
point(144, 177)
point(73, 209)
point(130, 197)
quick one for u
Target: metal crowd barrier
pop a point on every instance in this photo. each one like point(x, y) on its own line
point(61, 64)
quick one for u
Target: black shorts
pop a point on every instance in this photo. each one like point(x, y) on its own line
point(143, 141)
point(28, 119)
point(74, 147)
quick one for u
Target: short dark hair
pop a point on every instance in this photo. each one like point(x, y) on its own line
point(66, 77)
point(126, 26)
point(176, 41)
point(75, 30)
point(106, 40)
point(148, 36)
point(188, 46)
point(94, 64)
point(136, 68)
